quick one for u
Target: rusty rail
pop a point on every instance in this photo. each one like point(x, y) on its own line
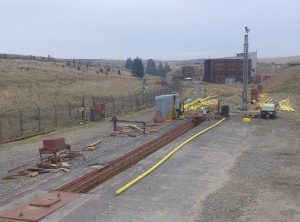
point(97, 177)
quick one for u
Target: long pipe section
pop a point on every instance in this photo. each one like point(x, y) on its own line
point(164, 159)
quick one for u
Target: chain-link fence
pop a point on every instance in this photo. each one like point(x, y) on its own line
point(37, 120)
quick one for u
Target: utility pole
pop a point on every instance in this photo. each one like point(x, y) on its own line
point(245, 69)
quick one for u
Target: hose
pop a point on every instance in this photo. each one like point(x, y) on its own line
point(164, 159)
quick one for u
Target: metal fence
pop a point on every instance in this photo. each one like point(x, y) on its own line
point(38, 119)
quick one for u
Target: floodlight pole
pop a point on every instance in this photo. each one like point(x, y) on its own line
point(245, 70)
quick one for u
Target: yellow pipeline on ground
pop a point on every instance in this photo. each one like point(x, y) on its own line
point(198, 105)
point(186, 106)
point(164, 159)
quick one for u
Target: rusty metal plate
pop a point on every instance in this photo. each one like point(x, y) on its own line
point(41, 202)
point(40, 206)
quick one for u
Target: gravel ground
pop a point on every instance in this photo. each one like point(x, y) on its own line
point(274, 145)
point(15, 155)
point(263, 184)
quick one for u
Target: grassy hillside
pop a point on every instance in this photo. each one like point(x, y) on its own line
point(28, 82)
point(280, 60)
point(268, 70)
point(25, 83)
point(286, 85)
point(288, 81)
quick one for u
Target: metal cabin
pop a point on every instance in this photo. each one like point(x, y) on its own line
point(167, 107)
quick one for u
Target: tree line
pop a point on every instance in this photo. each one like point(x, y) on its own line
point(137, 67)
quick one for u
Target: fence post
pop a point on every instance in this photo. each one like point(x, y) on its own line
point(0, 127)
point(113, 104)
point(122, 100)
point(137, 103)
point(94, 103)
point(70, 113)
point(130, 101)
point(21, 120)
point(153, 97)
point(55, 115)
point(143, 99)
point(83, 109)
point(39, 116)
point(147, 97)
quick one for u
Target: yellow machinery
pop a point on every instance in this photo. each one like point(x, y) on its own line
point(264, 98)
point(199, 105)
point(285, 105)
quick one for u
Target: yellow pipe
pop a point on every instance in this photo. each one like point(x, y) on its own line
point(164, 159)
point(196, 101)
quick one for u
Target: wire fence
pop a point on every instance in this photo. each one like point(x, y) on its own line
point(37, 120)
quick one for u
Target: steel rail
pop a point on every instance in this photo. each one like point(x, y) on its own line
point(97, 177)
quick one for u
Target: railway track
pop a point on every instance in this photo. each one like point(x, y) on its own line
point(97, 177)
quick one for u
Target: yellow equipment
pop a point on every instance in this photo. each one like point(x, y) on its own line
point(198, 105)
point(285, 105)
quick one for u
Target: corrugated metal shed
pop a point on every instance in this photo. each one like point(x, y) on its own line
point(166, 107)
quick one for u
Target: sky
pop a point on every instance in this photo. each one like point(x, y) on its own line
point(149, 29)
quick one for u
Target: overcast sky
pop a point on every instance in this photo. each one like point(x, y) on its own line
point(158, 29)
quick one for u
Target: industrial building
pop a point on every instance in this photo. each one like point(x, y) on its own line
point(195, 72)
point(229, 70)
point(190, 72)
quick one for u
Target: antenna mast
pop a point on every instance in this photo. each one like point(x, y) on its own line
point(245, 69)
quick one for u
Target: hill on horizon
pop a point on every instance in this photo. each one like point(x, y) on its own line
point(278, 60)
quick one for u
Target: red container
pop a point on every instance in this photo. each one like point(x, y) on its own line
point(54, 145)
point(99, 107)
